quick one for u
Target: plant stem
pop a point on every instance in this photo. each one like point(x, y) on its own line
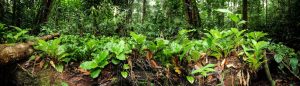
point(267, 70)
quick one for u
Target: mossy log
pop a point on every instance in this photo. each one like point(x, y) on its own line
point(10, 53)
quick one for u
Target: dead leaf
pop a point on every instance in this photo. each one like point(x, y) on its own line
point(168, 73)
point(153, 64)
point(37, 58)
point(149, 55)
point(41, 64)
point(202, 55)
point(83, 71)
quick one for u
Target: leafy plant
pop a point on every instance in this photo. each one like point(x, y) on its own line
point(53, 49)
point(286, 58)
point(236, 18)
point(13, 34)
point(97, 64)
point(124, 73)
point(139, 39)
point(190, 79)
point(120, 49)
point(255, 53)
point(205, 70)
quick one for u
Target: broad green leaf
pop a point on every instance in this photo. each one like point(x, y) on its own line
point(126, 66)
point(101, 56)
point(88, 65)
point(278, 58)
point(91, 43)
point(294, 63)
point(234, 18)
point(261, 45)
point(95, 73)
point(117, 49)
point(190, 79)
point(138, 37)
point(115, 61)
point(256, 35)
point(215, 33)
point(124, 74)
point(121, 56)
point(103, 64)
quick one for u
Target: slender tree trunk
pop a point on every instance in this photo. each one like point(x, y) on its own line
point(192, 13)
point(221, 15)
point(266, 22)
point(1, 9)
point(129, 13)
point(209, 12)
point(42, 15)
point(245, 13)
point(144, 10)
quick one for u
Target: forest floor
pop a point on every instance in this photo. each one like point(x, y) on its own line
point(34, 73)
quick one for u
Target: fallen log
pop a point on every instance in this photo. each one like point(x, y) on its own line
point(10, 53)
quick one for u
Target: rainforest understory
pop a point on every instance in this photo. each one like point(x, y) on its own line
point(149, 43)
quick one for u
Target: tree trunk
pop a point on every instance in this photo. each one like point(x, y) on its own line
point(1, 9)
point(42, 15)
point(16, 20)
point(221, 15)
point(144, 10)
point(10, 53)
point(245, 14)
point(266, 17)
point(192, 13)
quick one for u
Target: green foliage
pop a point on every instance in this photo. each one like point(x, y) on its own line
point(119, 49)
point(99, 61)
point(54, 50)
point(236, 18)
point(221, 43)
point(255, 53)
point(256, 35)
point(13, 34)
point(205, 70)
point(286, 58)
point(190, 79)
point(124, 73)
point(139, 39)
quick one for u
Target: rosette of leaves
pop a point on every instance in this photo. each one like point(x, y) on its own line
point(219, 43)
point(95, 66)
point(255, 53)
point(53, 49)
point(119, 50)
point(202, 71)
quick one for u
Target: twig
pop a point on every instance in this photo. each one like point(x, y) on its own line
point(25, 70)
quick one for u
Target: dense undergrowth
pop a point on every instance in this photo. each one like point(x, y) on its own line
point(95, 53)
